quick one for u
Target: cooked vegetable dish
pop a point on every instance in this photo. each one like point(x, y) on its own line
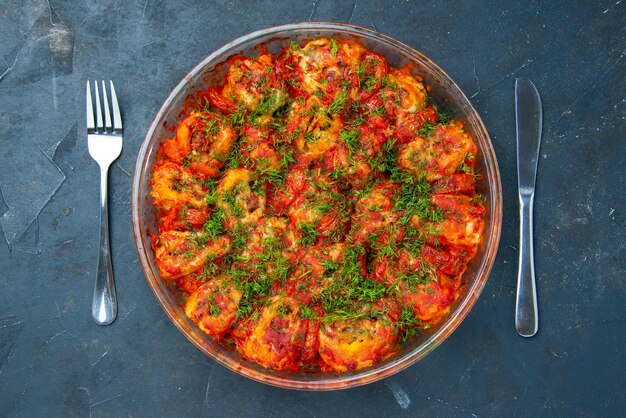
point(316, 210)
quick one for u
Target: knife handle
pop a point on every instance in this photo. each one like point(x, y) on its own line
point(526, 317)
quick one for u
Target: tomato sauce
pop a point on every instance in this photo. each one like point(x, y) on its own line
point(315, 209)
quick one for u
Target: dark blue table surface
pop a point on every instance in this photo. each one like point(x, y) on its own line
point(55, 361)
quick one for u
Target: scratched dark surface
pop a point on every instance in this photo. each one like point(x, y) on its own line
point(54, 361)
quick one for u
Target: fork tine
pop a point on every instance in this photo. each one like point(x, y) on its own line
point(107, 112)
point(90, 122)
point(99, 125)
point(117, 116)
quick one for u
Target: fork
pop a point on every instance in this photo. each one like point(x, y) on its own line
point(104, 140)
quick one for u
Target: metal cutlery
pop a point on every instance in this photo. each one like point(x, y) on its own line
point(104, 140)
point(529, 123)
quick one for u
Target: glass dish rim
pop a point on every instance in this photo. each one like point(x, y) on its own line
point(331, 381)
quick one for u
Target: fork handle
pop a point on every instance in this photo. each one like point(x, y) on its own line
point(526, 316)
point(104, 307)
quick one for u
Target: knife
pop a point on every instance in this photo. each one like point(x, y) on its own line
point(528, 118)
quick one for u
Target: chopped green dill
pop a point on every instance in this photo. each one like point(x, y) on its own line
point(338, 173)
point(478, 199)
point(252, 290)
point(407, 324)
point(187, 254)
point(214, 225)
point(199, 240)
point(232, 160)
point(358, 119)
point(386, 247)
point(427, 129)
point(205, 105)
point(414, 199)
point(352, 139)
point(325, 207)
point(334, 47)
point(364, 191)
point(288, 158)
point(366, 79)
point(444, 118)
point(210, 128)
point(238, 117)
point(177, 185)
point(386, 160)
point(283, 310)
point(270, 103)
point(414, 240)
point(230, 197)
point(214, 310)
point(350, 289)
point(338, 104)
point(330, 267)
point(465, 168)
point(239, 236)
point(370, 82)
point(271, 175)
point(421, 276)
point(307, 312)
point(386, 81)
point(309, 233)
point(310, 137)
point(209, 270)
point(378, 111)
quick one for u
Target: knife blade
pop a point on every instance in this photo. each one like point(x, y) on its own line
point(528, 117)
